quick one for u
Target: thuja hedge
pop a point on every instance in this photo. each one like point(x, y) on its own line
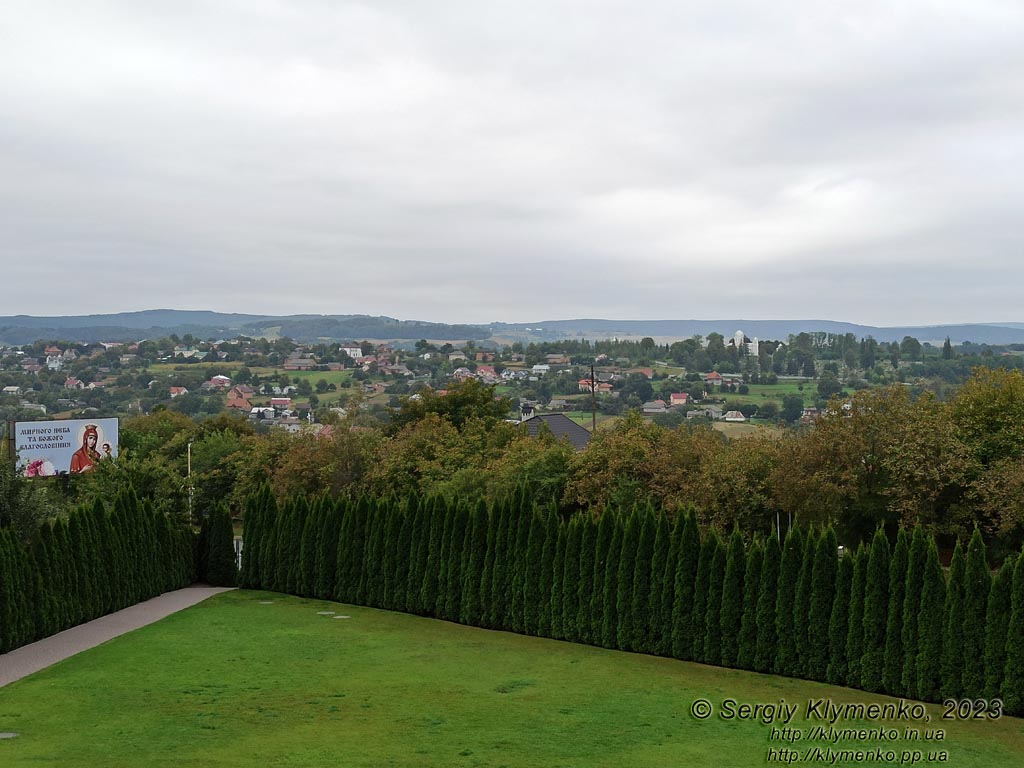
point(97, 561)
point(879, 618)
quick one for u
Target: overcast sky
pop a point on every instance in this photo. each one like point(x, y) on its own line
point(516, 161)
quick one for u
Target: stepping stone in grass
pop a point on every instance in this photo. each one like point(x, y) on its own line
point(343, 617)
point(266, 602)
point(8, 735)
point(324, 613)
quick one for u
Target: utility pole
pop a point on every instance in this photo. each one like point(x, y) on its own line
point(593, 400)
point(189, 484)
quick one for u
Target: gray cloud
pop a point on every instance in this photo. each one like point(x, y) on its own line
point(468, 161)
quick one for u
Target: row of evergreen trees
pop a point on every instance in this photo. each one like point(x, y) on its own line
point(884, 619)
point(216, 562)
point(97, 561)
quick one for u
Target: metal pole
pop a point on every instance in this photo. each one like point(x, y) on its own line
point(9, 441)
point(593, 400)
point(190, 518)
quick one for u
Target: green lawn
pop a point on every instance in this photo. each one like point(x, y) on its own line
point(734, 430)
point(232, 682)
point(207, 368)
point(762, 393)
point(585, 419)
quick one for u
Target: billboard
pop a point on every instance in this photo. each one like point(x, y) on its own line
point(75, 445)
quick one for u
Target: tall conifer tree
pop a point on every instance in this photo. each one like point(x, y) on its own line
point(472, 606)
point(518, 567)
point(802, 604)
point(307, 552)
point(46, 611)
point(345, 525)
point(668, 584)
point(432, 565)
point(977, 587)
point(876, 613)
point(953, 638)
point(605, 533)
point(557, 583)
point(609, 617)
point(221, 570)
point(497, 592)
point(585, 588)
point(786, 660)
point(930, 627)
point(892, 669)
point(767, 598)
point(640, 635)
point(751, 591)
point(855, 624)
point(713, 611)
point(687, 563)
point(547, 565)
point(1012, 687)
point(699, 615)
point(327, 552)
point(532, 572)
point(458, 543)
point(839, 622)
point(445, 560)
point(389, 555)
point(657, 627)
point(916, 559)
point(570, 580)
point(731, 615)
point(268, 546)
point(997, 625)
point(487, 573)
point(823, 597)
point(624, 580)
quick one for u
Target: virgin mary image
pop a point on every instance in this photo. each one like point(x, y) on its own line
point(85, 458)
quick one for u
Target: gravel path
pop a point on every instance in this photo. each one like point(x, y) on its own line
point(38, 655)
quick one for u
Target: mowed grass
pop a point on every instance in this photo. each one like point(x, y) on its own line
point(734, 430)
point(762, 393)
point(232, 682)
point(585, 419)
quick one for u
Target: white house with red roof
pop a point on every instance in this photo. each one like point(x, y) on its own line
point(678, 398)
point(714, 378)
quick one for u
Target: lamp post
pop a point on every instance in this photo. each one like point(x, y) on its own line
point(190, 518)
point(593, 400)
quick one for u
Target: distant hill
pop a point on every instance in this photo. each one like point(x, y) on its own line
point(551, 330)
point(132, 326)
point(154, 323)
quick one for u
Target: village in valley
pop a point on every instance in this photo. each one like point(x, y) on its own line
point(735, 383)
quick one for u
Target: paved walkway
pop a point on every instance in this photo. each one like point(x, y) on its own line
point(23, 661)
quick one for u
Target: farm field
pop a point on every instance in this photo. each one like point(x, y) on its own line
point(207, 369)
point(584, 418)
point(237, 682)
point(761, 393)
point(734, 430)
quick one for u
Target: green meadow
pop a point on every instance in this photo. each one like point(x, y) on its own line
point(236, 682)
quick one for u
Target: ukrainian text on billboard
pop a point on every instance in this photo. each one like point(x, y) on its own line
point(74, 445)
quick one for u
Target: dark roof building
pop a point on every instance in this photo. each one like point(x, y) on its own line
point(560, 426)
